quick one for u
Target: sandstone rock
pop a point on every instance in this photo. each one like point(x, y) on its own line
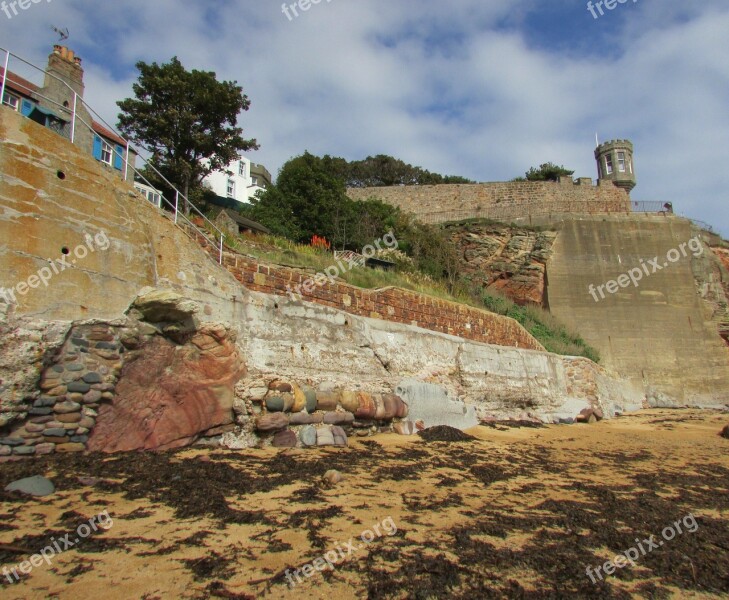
point(420, 425)
point(69, 418)
point(257, 394)
point(70, 447)
point(338, 418)
point(349, 401)
point(285, 439)
point(299, 399)
point(165, 305)
point(305, 419)
point(34, 427)
point(308, 436)
point(405, 428)
point(24, 450)
point(170, 394)
point(51, 439)
point(327, 401)
point(66, 407)
point(367, 407)
point(340, 437)
point(220, 430)
point(388, 406)
point(5, 450)
point(272, 422)
point(87, 422)
point(324, 437)
point(280, 386)
point(45, 448)
point(92, 397)
point(332, 477)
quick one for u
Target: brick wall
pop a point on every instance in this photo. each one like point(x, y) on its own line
point(506, 201)
point(389, 304)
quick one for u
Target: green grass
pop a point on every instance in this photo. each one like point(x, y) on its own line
point(554, 336)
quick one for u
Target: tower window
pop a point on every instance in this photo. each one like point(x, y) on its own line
point(608, 164)
point(242, 169)
point(231, 188)
point(621, 162)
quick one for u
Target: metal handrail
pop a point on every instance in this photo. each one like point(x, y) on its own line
point(73, 113)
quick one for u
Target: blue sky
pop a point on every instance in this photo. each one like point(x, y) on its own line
point(480, 88)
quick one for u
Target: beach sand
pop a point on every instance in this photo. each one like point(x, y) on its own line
point(517, 512)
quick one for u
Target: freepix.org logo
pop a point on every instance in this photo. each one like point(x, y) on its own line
point(56, 267)
point(11, 8)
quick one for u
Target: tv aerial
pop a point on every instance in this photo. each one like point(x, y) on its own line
point(62, 32)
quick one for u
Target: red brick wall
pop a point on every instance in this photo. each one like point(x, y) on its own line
point(389, 304)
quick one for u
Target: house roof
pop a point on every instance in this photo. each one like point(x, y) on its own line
point(107, 133)
point(19, 84)
point(248, 223)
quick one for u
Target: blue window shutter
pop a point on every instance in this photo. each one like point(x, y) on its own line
point(97, 147)
point(26, 107)
point(118, 160)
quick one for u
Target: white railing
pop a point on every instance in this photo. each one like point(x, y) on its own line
point(73, 114)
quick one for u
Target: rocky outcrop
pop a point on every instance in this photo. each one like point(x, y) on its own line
point(170, 394)
point(508, 260)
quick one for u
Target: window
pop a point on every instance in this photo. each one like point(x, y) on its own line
point(231, 188)
point(254, 181)
point(621, 162)
point(608, 164)
point(11, 101)
point(107, 153)
point(242, 169)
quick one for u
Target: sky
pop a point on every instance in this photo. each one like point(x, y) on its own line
point(485, 89)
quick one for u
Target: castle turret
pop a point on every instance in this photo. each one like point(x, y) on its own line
point(615, 163)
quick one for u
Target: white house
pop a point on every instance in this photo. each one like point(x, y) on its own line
point(244, 180)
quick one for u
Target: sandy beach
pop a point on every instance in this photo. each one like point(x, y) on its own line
point(517, 512)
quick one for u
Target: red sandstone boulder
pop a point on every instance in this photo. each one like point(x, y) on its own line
point(272, 422)
point(367, 407)
point(169, 394)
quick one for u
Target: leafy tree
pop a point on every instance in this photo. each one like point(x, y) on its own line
point(545, 172)
point(383, 170)
point(186, 119)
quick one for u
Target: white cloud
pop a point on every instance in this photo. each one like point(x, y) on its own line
point(445, 86)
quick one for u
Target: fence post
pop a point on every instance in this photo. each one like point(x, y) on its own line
point(73, 118)
point(220, 260)
point(177, 202)
point(5, 76)
point(126, 163)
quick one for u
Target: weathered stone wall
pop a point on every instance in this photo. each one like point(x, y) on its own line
point(530, 202)
point(658, 333)
point(389, 304)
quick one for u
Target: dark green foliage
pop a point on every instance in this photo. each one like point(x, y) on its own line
point(545, 172)
point(186, 119)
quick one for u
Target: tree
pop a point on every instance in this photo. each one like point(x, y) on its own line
point(187, 120)
point(545, 172)
point(383, 170)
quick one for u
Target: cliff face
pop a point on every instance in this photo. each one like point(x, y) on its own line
point(79, 366)
point(505, 259)
point(659, 328)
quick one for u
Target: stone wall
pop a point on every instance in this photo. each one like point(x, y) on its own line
point(524, 202)
point(390, 304)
